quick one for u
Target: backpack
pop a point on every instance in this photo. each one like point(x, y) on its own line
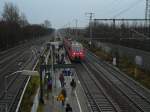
point(73, 84)
point(69, 109)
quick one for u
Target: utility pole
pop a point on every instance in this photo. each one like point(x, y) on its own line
point(76, 27)
point(90, 25)
point(69, 29)
point(147, 12)
point(147, 16)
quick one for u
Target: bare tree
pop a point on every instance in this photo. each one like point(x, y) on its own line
point(23, 20)
point(14, 27)
point(47, 24)
point(11, 13)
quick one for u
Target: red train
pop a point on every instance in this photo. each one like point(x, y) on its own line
point(74, 49)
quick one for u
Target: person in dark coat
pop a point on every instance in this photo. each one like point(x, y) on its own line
point(68, 108)
point(62, 61)
point(73, 84)
point(50, 85)
point(62, 79)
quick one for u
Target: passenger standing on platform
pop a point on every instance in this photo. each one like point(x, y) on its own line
point(61, 98)
point(68, 108)
point(62, 58)
point(66, 53)
point(62, 79)
point(49, 84)
point(57, 58)
point(64, 93)
point(73, 85)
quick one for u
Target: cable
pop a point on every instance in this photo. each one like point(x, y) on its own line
point(112, 4)
point(128, 8)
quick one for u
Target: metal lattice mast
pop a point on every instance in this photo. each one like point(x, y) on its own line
point(90, 24)
point(147, 11)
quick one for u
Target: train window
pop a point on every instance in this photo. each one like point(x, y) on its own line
point(77, 48)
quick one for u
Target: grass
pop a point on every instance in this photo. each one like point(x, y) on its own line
point(40, 108)
point(135, 72)
point(28, 97)
point(102, 54)
point(125, 65)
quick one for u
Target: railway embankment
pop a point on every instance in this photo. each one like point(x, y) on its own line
point(124, 64)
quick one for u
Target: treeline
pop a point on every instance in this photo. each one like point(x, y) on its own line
point(72, 32)
point(15, 28)
point(134, 35)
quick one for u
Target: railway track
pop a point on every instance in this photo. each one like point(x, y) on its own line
point(12, 61)
point(10, 58)
point(14, 91)
point(22, 80)
point(98, 99)
point(13, 50)
point(127, 80)
point(17, 83)
point(15, 78)
point(3, 54)
point(10, 66)
point(138, 100)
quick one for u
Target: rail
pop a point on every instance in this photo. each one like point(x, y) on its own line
point(96, 96)
point(140, 102)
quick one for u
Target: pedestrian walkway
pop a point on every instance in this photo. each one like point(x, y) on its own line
point(77, 100)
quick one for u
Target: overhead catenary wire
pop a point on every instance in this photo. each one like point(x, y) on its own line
point(132, 5)
point(114, 4)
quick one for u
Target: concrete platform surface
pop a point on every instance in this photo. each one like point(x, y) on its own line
point(77, 100)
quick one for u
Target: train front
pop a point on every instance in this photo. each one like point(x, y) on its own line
point(78, 53)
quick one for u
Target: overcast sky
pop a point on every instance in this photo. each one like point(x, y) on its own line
point(64, 12)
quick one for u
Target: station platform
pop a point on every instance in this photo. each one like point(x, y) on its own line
point(77, 99)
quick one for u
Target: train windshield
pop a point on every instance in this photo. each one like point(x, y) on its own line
point(77, 48)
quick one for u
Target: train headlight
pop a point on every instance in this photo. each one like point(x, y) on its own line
point(80, 53)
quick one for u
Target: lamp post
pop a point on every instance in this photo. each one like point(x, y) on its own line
point(24, 72)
